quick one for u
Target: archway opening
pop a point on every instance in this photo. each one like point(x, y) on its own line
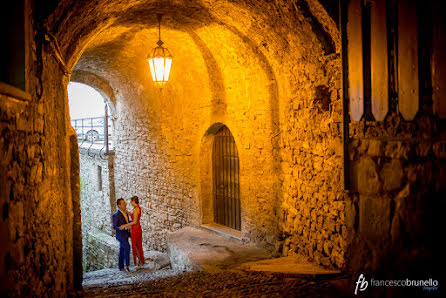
point(90, 118)
point(225, 71)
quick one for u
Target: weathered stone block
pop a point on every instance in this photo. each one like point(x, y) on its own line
point(400, 215)
point(422, 148)
point(439, 149)
point(363, 146)
point(367, 176)
point(397, 149)
point(392, 175)
point(328, 246)
point(374, 217)
point(375, 148)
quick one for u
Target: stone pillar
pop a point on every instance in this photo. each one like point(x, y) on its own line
point(76, 199)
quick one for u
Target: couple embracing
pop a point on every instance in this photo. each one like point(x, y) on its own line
point(123, 224)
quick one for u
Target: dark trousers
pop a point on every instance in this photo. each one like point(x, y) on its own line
point(124, 253)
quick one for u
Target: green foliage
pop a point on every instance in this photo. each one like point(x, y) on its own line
point(82, 182)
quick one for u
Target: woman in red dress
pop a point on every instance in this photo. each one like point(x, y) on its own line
point(136, 234)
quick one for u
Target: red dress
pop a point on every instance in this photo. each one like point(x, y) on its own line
point(137, 237)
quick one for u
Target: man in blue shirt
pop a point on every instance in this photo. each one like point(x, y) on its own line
point(120, 218)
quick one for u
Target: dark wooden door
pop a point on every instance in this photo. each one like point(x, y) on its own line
point(226, 180)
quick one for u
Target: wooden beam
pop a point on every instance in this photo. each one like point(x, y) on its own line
point(355, 66)
point(379, 60)
point(439, 62)
point(408, 81)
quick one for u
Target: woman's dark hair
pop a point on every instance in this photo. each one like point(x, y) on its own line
point(119, 200)
point(135, 199)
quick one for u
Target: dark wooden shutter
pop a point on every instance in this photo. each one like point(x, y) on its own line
point(439, 62)
point(355, 63)
point(379, 60)
point(408, 84)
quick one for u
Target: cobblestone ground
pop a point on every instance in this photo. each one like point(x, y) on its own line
point(169, 283)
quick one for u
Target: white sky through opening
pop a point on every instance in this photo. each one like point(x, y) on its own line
point(84, 101)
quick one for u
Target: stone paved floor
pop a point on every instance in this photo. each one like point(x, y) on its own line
point(171, 283)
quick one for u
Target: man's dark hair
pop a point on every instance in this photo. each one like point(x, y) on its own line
point(119, 200)
point(135, 199)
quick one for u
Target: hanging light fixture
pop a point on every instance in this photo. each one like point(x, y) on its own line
point(160, 60)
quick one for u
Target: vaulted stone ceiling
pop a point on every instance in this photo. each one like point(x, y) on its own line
point(215, 44)
point(248, 64)
point(96, 25)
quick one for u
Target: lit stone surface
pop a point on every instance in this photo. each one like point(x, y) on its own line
point(195, 249)
point(296, 265)
point(268, 70)
point(270, 103)
point(100, 250)
point(97, 205)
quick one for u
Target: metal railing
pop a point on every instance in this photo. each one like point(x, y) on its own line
point(94, 134)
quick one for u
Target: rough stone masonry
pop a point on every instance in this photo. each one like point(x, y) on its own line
point(270, 71)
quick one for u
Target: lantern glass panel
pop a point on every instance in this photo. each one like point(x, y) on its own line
point(159, 68)
point(152, 69)
point(167, 68)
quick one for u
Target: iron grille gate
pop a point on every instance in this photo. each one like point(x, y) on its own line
point(226, 180)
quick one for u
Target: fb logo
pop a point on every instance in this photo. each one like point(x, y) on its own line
point(362, 283)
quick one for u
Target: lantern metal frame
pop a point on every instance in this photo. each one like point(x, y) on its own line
point(160, 52)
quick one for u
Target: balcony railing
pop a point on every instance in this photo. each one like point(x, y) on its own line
point(94, 134)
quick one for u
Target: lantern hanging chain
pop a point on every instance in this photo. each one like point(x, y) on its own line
point(159, 29)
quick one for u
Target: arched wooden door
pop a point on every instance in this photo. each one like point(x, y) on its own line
point(226, 180)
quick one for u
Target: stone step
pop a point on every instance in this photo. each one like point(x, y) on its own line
point(197, 249)
point(296, 265)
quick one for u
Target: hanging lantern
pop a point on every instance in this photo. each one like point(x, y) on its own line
point(160, 61)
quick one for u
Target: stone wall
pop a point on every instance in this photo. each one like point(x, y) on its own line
point(97, 206)
point(35, 187)
point(158, 137)
point(269, 71)
point(313, 202)
point(397, 193)
point(102, 251)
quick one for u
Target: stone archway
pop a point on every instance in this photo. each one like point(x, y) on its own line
point(99, 84)
point(211, 211)
point(94, 169)
point(242, 87)
point(250, 42)
point(226, 186)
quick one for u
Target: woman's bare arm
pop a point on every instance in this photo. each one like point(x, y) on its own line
point(134, 222)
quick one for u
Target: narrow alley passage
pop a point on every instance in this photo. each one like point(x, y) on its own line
point(201, 263)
